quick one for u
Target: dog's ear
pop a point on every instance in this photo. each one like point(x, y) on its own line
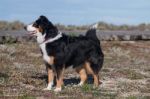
point(43, 18)
point(44, 22)
point(46, 25)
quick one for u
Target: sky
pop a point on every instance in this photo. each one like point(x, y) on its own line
point(77, 12)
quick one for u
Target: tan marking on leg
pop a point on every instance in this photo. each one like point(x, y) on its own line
point(83, 75)
point(96, 80)
point(50, 75)
point(90, 71)
point(88, 68)
point(51, 61)
point(50, 79)
point(78, 68)
point(59, 82)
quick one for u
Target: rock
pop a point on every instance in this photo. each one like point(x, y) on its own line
point(135, 37)
point(126, 37)
point(1, 40)
point(145, 37)
point(115, 38)
point(105, 38)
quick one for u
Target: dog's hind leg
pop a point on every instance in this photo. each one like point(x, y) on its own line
point(96, 80)
point(94, 73)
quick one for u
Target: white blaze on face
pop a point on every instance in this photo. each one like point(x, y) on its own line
point(30, 28)
point(35, 31)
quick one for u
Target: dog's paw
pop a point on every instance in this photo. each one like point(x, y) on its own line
point(57, 89)
point(49, 87)
point(80, 84)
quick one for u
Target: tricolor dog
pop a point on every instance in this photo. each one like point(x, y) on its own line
point(60, 51)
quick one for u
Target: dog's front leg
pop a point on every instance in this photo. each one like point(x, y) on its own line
point(59, 80)
point(50, 79)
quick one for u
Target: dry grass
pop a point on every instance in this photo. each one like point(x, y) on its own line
point(125, 74)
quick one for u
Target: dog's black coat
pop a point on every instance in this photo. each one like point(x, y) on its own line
point(71, 51)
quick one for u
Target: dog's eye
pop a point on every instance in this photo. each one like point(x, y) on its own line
point(35, 25)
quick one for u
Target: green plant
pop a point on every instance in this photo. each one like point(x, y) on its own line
point(86, 87)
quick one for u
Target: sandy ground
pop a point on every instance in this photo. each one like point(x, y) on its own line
point(125, 73)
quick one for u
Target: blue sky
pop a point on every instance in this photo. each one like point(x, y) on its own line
point(77, 12)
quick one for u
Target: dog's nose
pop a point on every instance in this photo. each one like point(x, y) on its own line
point(25, 27)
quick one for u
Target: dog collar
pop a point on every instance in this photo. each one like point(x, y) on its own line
point(52, 39)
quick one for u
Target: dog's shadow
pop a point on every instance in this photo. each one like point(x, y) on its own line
point(67, 81)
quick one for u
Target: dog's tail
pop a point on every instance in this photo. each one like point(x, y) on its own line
point(91, 33)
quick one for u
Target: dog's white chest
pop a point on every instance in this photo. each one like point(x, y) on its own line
point(45, 55)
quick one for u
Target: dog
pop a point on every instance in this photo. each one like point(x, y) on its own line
point(60, 51)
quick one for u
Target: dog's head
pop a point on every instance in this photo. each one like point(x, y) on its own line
point(42, 28)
